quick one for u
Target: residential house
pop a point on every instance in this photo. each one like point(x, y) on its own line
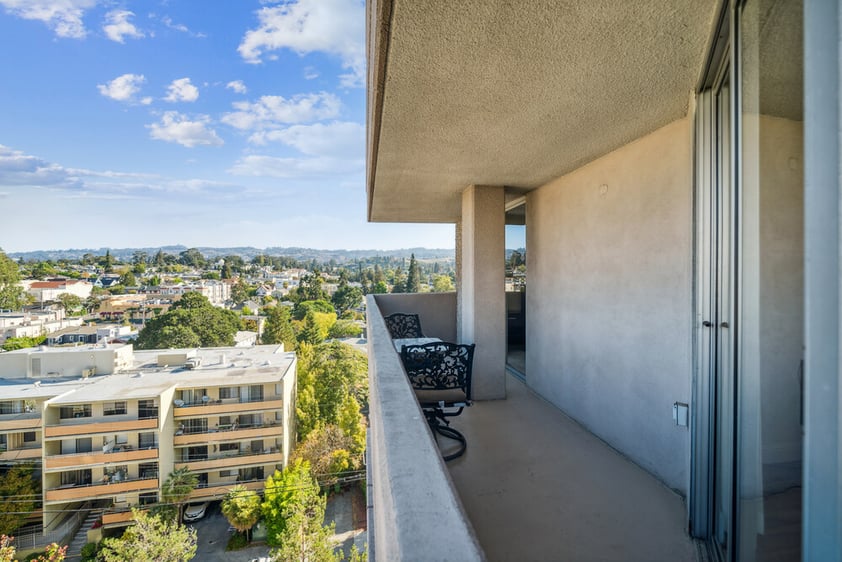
point(676, 169)
point(44, 291)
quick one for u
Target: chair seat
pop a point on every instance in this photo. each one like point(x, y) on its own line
point(433, 397)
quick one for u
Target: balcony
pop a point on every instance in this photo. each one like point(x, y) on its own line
point(532, 485)
point(216, 491)
point(81, 460)
point(78, 427)
point(26, 453)
point(25, 420)
point(71, 492)
point(240, 433)
point(226, 407)
point(234, 460)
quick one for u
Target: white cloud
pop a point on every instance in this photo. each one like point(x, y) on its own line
point(64, 17)
point(340, 139)
point(273, 111)
point(336, 27)
point(310, 73)
point(19, 169)
point(123, 88)
point(175, 127)
point(166, 20)
point(238, 86)
point(182, 90)
point(273, 167)
point(118, 26)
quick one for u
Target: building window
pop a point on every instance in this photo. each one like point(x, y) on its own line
point(147, 470)
point(9, 407)
point(194, 426)
point(228, 447)
point(226, 473)
point(147, 409)
point(147, 440)
point(114, 408)
point(147, 498)
point(227, 392)
point(29, 437)
point(77, 411)
point(76, 478)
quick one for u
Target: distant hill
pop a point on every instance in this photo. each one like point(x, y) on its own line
point(246, 252)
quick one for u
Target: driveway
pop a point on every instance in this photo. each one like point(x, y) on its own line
point(212, 537)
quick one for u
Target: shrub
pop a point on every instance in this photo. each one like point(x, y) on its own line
point(89, 552)
point(237, 541)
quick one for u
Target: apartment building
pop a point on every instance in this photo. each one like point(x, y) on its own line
point(676, 169)
point(106, 424)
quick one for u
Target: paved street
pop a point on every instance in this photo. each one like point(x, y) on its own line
point(212, 534)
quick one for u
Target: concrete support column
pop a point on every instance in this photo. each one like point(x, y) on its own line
point(481, 316)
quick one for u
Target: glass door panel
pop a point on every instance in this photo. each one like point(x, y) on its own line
point(772, 280)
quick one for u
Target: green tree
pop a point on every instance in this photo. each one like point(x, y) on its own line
point(12, 295)
point(327, 373)
point(70, 302)
point(380, 288)
point(413, 276)
point(191, 322)
point(227, 272)
point(240, 291)
point(241, 507)
point(23, 342)
point(329, 451)
point(301, 309)
point(43, 269)
point(316, 327)
point(442, 284)
point(347, 298)
point(19, 492)
point(177, 488)
point(107, 262)
point(352, 423)
point(278, 328)
point(151, 539)
point(304, 537)
point(282, 491)
point(345, 329)
point(310, 288)
point(128, 279)
point(192, 258)
point(91, 304)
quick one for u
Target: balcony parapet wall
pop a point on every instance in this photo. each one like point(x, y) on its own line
point(416, 512)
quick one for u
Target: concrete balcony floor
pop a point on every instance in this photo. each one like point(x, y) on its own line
point(537, 486)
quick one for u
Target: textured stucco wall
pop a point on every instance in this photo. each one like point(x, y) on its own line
point(482, 305)
point(609, 298)
point(437, 311)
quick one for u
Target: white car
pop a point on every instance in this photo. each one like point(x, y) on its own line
point(195, 511)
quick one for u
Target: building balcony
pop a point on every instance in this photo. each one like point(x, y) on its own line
point(235, 460)
point(228, 434)
point(26, 453)
point(79, 427)
point(82, 460)
point(226, 407)
point(70, 492)
point(217, 491)
point(532, 485)
point(27, 420)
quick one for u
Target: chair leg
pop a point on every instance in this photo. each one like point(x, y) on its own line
point(439, 424)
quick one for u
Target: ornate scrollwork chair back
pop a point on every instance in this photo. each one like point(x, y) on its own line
point(403, 325)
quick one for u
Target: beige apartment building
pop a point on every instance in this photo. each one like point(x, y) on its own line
point(107, 424)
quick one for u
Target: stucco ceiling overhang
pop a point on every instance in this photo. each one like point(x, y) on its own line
point(498, 92)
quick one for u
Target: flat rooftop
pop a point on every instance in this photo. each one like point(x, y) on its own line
point(225, 366)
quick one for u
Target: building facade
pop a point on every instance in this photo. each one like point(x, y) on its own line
point(107, 425)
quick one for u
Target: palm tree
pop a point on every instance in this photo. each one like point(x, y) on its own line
point(241, 507)
point(177, 487)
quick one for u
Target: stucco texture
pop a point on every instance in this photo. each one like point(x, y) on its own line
point(609, 300)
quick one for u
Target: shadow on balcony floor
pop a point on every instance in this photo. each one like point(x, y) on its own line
point(537, 486)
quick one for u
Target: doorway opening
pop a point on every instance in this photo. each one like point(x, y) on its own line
point(516, 287)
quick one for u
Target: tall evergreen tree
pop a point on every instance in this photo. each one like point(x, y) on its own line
point(413, 277)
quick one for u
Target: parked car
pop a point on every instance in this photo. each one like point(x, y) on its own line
point(195, 511)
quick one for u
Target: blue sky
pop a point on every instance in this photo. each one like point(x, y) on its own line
point(196, 122)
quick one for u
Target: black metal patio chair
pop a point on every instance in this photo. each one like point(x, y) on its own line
point(403, 325)
point(440, 373)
